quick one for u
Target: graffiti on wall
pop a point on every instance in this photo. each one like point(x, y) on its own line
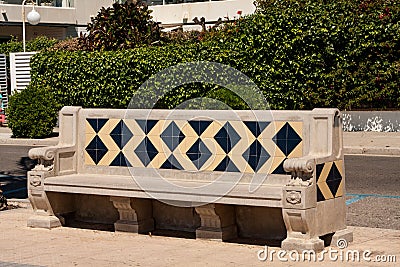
point(371, 121)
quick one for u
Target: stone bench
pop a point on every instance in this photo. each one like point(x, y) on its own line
point(219, 174)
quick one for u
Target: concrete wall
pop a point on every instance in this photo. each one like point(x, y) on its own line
point(87, 8)
point(373, 121)
point(211, 11)
point(59, 15)
point(34, 31)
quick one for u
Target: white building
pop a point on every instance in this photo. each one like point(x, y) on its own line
point(63, 18)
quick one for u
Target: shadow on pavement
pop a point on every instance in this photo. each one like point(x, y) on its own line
point(13, 182)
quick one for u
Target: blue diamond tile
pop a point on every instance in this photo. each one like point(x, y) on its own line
point(256, 155)
point(96, 149)
point(334, 173)
point(199, 126)
point(199, 153)
point(287, 139)
point(172, 136)
point(318, 170)
point(172, 163)
point(146, 125)
point(93, 144)
point(93, 124)
point(121, 134)
point(120, 160)
point(320, 196)
point(146, 151)
point(227, 165)
point(256, 127)
point(333, 186)
point(92, 153)
point(227, 137)
point(334, 179)
point(280, 169)
point(97, 124)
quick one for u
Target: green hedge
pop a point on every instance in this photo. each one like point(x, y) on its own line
point(103, 79)
point(307, 53)
point(301, 54)
point(38, 44)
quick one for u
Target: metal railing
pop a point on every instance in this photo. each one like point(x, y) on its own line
point(51, 3)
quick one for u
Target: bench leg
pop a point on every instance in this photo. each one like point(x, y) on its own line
point(301, 230)
point(135, 215)
point(44, 216)
point(217, 222)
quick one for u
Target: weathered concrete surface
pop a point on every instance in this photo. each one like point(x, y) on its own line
point(375, 143)
point(78, 247)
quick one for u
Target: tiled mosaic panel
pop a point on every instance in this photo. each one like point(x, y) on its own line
point(195, 145)
point(330, 180)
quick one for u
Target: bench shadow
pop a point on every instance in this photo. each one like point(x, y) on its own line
point(71, 222)
point(14, 182)
point(255, 242)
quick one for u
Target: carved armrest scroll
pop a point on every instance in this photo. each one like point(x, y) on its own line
point(43, 153)
point(47, 155)
point(303, 164)
point(301, 170)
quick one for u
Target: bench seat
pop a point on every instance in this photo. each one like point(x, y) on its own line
point(269, 195)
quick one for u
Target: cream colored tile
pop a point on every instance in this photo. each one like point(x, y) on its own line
point(108, 157)
point(88, 159)
point(325, 172)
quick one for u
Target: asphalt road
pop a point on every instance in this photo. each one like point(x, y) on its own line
point(14, 163)
point(372, 184)
point(373, 191)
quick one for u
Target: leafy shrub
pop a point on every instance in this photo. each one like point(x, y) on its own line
point(38, 44)
point(70, 44)
point(32, 113)
point(181, 37)
point(121, 26)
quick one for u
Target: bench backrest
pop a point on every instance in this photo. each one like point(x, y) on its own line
point(196, 141)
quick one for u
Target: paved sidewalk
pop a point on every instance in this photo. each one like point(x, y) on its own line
point(65, 246)
point(6, 139)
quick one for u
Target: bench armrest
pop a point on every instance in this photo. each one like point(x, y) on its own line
point(62, 158)
point(325, 145)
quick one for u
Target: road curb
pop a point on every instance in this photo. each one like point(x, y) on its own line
point(19, 203)
point(29, 142)
point(372, 150)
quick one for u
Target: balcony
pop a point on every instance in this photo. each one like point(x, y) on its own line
point(11, 14)
point(175, 12)
point(52, 3)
